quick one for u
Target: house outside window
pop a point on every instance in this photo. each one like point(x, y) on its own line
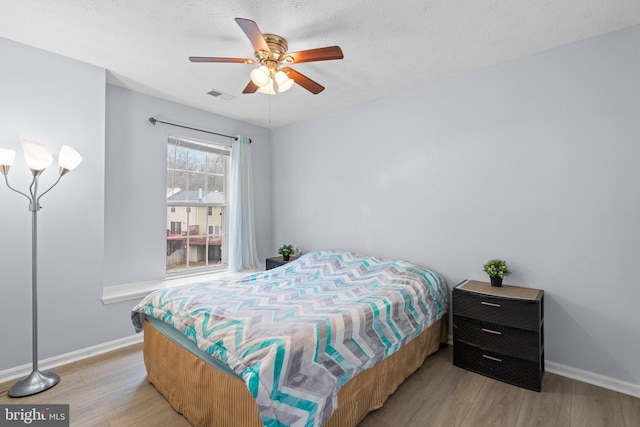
point(197, 174)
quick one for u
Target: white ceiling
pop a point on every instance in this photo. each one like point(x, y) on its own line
point(389, 46)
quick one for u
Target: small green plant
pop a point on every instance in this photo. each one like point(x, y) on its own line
point(497, 268)
point(286, 250)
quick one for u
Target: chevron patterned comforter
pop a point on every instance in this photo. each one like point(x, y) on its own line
point(297, 333)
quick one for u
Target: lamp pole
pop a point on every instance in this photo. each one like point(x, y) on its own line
point(38, 160)
point(37, 381)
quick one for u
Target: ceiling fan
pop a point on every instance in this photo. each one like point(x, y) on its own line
point(271, 53)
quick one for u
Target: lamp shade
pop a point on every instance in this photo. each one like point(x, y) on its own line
point(68, 158)
point(260, 76)
point(6, 157)
point(6, 160)
point(283, 81)
point(37, 157)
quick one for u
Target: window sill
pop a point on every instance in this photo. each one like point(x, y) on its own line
point(138, 290)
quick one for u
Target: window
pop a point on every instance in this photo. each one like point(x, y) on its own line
point(196, 205)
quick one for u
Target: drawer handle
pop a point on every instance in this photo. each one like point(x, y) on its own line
point(492, 358)
point(490, 304)
point(490, 331)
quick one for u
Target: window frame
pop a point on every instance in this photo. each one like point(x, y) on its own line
point(205, 147)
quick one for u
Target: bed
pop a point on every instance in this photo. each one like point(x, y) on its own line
point(320, 341)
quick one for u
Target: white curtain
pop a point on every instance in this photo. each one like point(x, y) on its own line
point(243, 254)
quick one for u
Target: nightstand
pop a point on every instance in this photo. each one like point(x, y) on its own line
point(277, 261)
point(499, 332)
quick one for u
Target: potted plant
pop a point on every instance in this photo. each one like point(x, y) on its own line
point(286, 251)
point(496, 269)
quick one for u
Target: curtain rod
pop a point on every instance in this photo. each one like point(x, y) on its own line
point(153, 121)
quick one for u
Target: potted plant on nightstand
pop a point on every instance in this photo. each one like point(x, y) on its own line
point(496, 269)
point(285, 251)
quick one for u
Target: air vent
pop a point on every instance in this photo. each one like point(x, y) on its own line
point(220, 95)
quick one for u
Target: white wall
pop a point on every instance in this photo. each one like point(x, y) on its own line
point(100, 225)
point(57, 101)
point(533, 161)
point(135, 219)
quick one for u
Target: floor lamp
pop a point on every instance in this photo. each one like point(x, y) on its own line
point(38, 159)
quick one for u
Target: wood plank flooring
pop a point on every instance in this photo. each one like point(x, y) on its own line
point(111, 390)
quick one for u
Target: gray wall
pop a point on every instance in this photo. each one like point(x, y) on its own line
point(135, 219)
point(104, 223)
point(57, 101)
point(533, 161)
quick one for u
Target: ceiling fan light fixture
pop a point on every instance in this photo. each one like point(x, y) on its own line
point(271, 52)
point(283, 82)
point(261, 76)
point(268, 88)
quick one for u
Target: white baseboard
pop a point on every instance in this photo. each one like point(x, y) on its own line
point(74, 356)
point(593, 378)
point(552, 367)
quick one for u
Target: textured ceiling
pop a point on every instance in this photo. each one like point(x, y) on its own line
point(389, 46)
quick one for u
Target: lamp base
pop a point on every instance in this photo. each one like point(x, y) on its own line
point(35, 383)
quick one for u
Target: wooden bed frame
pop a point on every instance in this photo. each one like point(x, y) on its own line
point(209, 397)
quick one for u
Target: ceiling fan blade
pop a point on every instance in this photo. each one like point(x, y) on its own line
point(319, 54)
point(216, 59)
point(303, 81)
point(252, 31)
point(250, 88)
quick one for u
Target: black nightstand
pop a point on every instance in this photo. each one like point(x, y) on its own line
point(277, 261)
point(499, 332)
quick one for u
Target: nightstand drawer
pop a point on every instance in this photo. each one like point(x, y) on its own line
point(497, 366)
point(502, 339)
point(272, 263)
point(277, 261)
point(509, 312)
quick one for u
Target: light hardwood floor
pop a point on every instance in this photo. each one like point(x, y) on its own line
point(111, 390)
